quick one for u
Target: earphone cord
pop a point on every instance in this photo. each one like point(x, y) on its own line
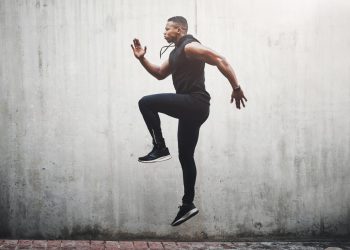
point(166, 47)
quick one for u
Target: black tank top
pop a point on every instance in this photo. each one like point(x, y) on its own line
point(188, 74)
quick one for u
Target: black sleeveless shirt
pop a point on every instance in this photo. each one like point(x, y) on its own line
point(188, 74)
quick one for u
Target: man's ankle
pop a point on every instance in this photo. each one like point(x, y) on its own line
point(160, 145)
point(187, 204)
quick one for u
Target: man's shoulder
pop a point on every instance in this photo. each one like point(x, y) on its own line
point(192, 46)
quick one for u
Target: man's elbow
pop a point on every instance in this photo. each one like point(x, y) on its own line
point(160, 77)
point(218, 61)
point(221, 62)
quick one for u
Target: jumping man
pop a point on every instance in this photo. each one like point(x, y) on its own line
point(190, 104)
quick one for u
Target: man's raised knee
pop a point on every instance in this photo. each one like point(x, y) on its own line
point(142, 101)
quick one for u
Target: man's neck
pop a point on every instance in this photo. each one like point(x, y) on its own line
point(180, 36)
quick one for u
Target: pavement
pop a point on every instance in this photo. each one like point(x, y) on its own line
point(127, 245)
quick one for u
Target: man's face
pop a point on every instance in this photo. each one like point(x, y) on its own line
point(172, 30)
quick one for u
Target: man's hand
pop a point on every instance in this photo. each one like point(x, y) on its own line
point(139, 52)
point(239, 97)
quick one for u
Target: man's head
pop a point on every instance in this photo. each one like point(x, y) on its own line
point(175, 28)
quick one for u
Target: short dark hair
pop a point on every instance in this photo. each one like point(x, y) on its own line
point(179, 20)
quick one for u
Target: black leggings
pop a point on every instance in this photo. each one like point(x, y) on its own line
point(192, 113)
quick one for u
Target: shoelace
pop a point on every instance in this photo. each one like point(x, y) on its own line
point(167, 47)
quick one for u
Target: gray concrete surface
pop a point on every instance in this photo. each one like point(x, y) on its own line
point(71, 131)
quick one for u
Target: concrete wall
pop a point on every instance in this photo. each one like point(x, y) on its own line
point(71, 131)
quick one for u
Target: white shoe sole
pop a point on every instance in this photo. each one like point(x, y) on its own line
point(163, 158)
point(188, 215)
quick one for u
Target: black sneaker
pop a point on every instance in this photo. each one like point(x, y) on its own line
point(186, 212)
point(156, 155)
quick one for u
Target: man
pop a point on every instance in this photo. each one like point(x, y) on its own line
point(190, 104)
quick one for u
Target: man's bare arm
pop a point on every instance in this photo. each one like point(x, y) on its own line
point(159, 72)
point(198, 51)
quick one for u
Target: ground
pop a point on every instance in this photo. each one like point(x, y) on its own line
point(111, 245)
